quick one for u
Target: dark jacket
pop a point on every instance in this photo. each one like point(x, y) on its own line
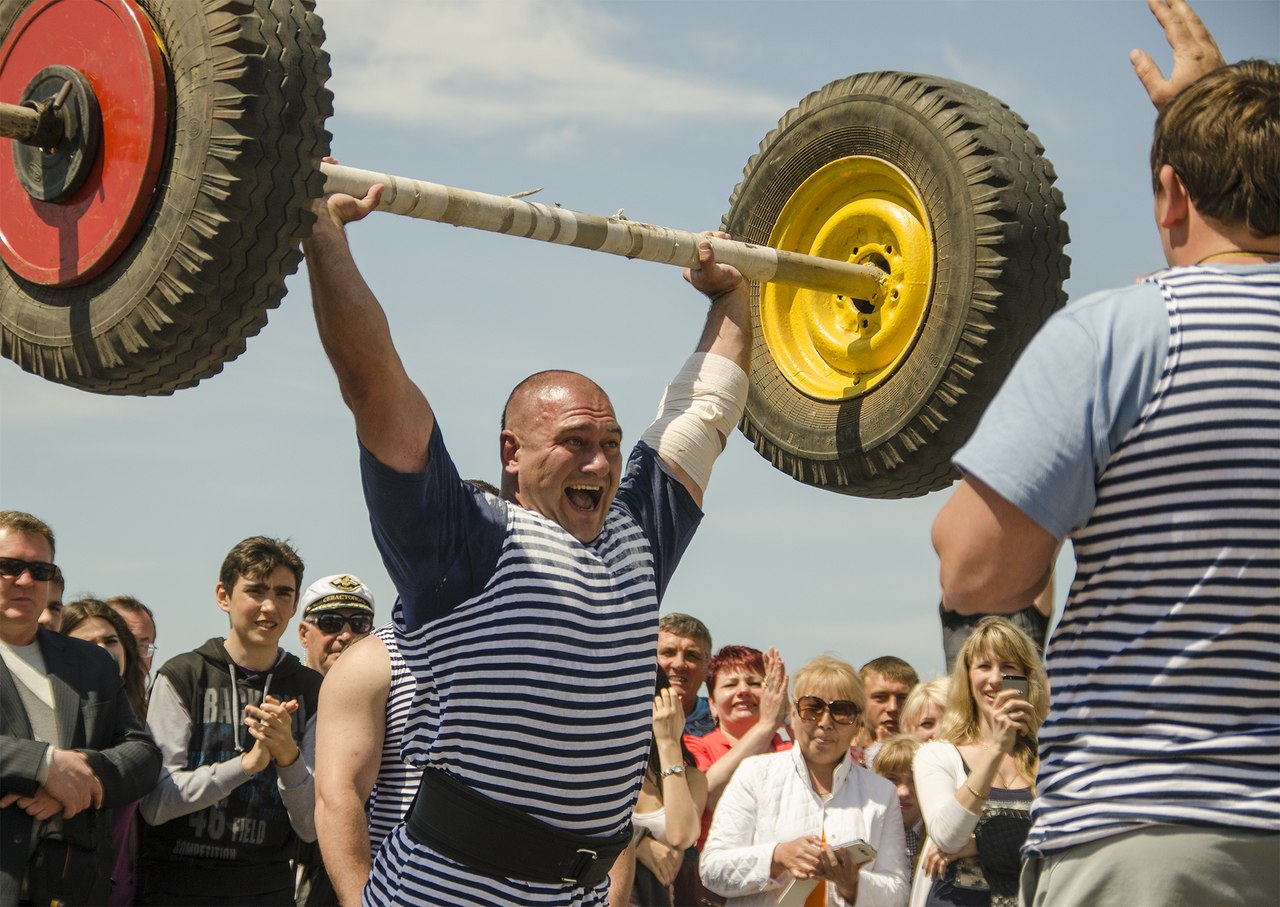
point(94, 717)
point(216, 831)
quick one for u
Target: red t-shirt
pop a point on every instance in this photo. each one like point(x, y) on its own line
point(708, 749)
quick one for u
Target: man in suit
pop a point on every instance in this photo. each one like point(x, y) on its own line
point(70, 746)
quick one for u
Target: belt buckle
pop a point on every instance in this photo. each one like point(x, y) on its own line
point(580, 865)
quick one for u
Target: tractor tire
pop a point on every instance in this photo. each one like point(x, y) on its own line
point(245, 137)
point(942, 186)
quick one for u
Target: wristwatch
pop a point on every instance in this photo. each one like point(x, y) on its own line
point(677, 769)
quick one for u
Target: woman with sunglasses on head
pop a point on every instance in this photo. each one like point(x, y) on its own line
point(975, 781)
point(793, 815)
point(97, 622)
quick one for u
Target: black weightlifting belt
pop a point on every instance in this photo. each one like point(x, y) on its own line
point(498, 840)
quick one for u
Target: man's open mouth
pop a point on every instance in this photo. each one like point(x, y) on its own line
point(584, 497)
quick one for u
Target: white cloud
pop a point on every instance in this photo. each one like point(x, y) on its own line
point(553, 143)
point(485, 66)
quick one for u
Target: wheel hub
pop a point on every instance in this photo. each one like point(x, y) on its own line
point(863, 210)
point(52, 231)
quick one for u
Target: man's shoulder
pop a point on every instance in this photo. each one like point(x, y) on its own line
point(58, 650)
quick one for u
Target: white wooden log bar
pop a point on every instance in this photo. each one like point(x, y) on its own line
point(615, 235)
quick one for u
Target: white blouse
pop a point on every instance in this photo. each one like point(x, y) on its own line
point(769, 800)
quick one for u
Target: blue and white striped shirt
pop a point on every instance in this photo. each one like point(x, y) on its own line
point(398, 777)
point(534, 660)
point(1165, 668)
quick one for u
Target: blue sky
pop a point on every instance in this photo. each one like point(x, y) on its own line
point(652, 107)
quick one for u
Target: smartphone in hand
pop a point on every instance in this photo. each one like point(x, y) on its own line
point(1015, 682)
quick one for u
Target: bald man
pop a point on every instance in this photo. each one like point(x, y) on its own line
point(529, 618)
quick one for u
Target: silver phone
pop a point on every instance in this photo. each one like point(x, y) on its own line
point(1015, 682)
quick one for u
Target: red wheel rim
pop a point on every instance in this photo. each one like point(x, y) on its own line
point(111, 43)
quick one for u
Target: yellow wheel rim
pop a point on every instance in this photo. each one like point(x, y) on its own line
point(863, 210)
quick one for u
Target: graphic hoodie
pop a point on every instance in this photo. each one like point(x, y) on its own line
point(211, 829)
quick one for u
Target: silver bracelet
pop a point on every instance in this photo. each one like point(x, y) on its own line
point(677, 769)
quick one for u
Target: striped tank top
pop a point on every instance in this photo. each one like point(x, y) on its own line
point(537, 690)
point(1165, 669)
point(397, 780)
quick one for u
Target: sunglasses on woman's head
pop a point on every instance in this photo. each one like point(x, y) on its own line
point(843, 711)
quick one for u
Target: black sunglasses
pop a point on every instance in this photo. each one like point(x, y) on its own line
point(41, 571)
point(810, 708)
point(333, 623)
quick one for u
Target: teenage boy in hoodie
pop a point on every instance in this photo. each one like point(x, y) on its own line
point(235, 722)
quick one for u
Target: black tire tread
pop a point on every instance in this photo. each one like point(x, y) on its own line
point(1017, 281)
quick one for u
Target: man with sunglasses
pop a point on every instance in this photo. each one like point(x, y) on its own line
point(336, 611)
point(70, 745)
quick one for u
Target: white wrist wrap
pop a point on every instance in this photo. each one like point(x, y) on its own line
point(699, 409)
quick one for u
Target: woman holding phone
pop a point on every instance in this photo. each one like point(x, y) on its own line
point(976, 779)
point(797, 814)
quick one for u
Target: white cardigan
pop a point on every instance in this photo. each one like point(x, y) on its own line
point(939, 772)
point(769, 800)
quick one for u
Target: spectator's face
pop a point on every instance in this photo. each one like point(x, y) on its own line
point(930, 721)
point(101, 633)
point(906, 786)
point(565, 449)
point(986, 673)
point(822, 741)
point(260, 606)
point(736, 699)
point(885, 699)
point(51, 616)
point(22, 597)
point(144, 631)
point(322, 649)
point(684, 661)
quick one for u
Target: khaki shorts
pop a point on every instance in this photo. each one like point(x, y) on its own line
point(1161, 866)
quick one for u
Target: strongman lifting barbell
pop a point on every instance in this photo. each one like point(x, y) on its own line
point(902, 232)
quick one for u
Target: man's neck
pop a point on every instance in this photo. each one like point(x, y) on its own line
point(1212, 242)
point(16, 634)
point(255, 657)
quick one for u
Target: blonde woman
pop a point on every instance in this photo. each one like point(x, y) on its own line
point(976, 779)
point(922, 713)
point(790, 814)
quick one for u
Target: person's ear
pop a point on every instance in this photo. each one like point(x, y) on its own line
point(1173, 203)
point(509, 451)
point(223, 597)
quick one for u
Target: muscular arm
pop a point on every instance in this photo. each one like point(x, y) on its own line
point(726, 333)
point(393, 418)
point(351, 726)
point(994, 558)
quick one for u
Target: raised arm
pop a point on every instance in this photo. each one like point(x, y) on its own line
point(393, 418)
point(351, 727)
point(705, 401)
point(1195, 53)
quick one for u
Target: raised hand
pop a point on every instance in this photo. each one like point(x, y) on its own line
point(711, 277)
point(1195, 53)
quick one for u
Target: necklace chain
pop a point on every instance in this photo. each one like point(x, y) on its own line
point(1253, 253)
